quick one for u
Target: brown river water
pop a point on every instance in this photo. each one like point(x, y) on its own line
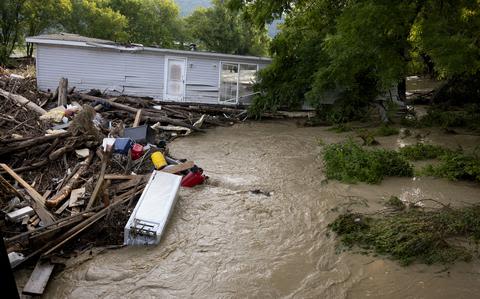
point(224, 241)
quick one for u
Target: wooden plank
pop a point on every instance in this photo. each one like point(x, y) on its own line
point(38, 203)
point(38, 280)
point(138, 117)
point(179, 167)
point(121, 176)
point(98, 186)
point(62, 208)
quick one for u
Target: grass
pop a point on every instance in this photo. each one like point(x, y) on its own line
point(349, 162)
point(412, 235)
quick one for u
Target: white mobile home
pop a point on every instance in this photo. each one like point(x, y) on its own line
point(163, 74)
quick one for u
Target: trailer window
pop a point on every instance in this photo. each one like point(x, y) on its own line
point(228, 82)
point(248, 75)
point(236, 81)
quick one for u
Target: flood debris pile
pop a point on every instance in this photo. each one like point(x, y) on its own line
point(75, 168)
point(411, 233)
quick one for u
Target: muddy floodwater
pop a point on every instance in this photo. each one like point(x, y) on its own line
point(225, 241)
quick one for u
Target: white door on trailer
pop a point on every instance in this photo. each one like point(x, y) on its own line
point(175, 79)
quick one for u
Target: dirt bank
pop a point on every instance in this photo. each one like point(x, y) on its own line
point(224, 241)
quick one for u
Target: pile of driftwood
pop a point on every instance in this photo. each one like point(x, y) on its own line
point(58, 183)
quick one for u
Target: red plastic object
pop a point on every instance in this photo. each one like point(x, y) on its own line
point(137, 151)
point(193, 178)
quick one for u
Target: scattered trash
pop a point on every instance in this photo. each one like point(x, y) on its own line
point(15, 257)
point(158, 160)
point(82, 153)
point(55, 115)
point(122, 145)
point(137, 151)
point(142, 134)
point(108, 142)
point(193, 178)
point(18, 215)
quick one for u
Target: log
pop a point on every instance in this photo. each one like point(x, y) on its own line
point(15, 146)
point(21, 101)
point(150, 116)
point(62, 91)
point(72, 183)
point(38, 200)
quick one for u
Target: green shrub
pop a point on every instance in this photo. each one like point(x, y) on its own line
point(395, 203)
point(421, 151)
point(456, 166)
point(368, 137)
point(340, 128)
point(386, 131)
point(349, 162)
point(412, 235)
point(436, 116)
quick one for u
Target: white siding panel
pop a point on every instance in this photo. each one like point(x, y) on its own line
point(106, 70)
point(202, 80)
point(144, 74)
point(85, 68)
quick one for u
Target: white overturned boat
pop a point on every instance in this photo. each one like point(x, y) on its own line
point(153, 210)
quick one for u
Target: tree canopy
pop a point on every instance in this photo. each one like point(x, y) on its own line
point(222, 30)
point(150, 22)
point(359, 49)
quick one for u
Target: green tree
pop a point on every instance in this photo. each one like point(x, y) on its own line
point(222, 30)
point(41, 15)
point(10, 26)
point(359, 49)
point(151, 22)
point(95, 18)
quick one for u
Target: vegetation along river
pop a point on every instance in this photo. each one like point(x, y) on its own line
point(224, 241)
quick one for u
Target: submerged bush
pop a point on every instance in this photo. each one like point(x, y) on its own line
point(349, 162)
point(437, 116)
point(386, 131)
point(456, 166)
point(340, 128)
point(412, 235)
point(421, 151)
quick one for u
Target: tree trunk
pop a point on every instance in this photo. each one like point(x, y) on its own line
point(402, 90)
point(62, 91)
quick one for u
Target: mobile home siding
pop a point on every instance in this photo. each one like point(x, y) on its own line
point(139, 73)
point(106, 70)
point(202, 80)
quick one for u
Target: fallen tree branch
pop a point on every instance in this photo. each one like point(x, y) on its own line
point(65, 191)
point(23, 102)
